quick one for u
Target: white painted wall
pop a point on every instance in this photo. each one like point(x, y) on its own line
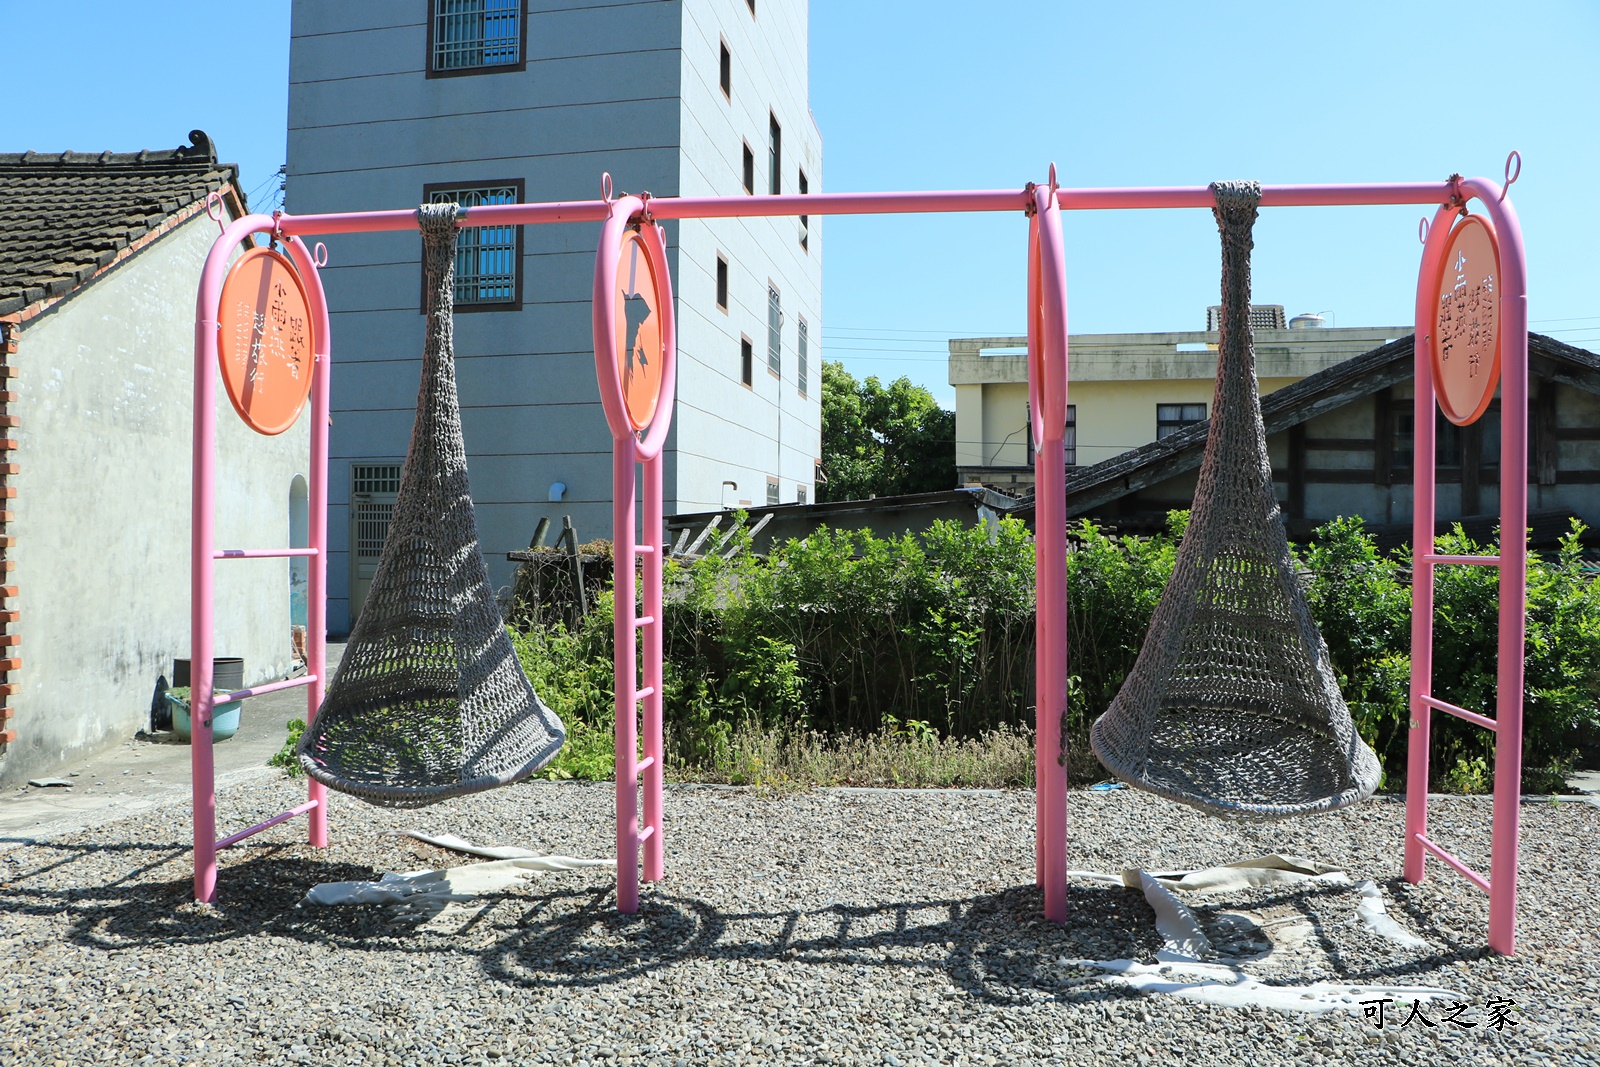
point(105, 396)
point(628, 88)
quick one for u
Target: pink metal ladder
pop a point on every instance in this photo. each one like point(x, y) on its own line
point(204, 553)
point(635, 682)
point(1501, 884)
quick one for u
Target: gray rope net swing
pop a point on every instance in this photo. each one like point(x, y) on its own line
point(429, 701)
point(1232, 706)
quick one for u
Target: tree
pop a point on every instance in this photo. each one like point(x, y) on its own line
point(879, 441)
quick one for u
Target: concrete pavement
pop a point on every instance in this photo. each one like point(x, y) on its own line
point(151, 771)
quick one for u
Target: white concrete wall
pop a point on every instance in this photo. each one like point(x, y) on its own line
point(105, 399)
point(631, 89)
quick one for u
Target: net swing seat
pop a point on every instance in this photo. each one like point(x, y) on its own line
point(429, 701)
point(1232, 706)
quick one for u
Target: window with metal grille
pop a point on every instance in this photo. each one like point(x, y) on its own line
point(774, 331)
point(474, 35)
point(1170, 418)
point(749, 176)
point(801, 343)
point(372, 490)
point(725, 71)
point(772, 491)
point(747, 360)
point(371, 521)
point(375, 478)
point(805, 220)
point(800, 495)
point(774, 155)
point(487, 257)
point(1070, 438)
point(722, 283)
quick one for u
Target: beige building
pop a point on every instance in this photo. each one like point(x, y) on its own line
point(1126, 389)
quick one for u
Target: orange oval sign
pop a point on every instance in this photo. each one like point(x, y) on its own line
point(639, 351)
point(264, 340)
point(1466, 323)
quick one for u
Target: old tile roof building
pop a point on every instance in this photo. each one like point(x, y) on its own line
point(100, 257)
point(66, 216)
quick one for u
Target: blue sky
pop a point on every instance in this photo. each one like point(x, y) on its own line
point(958, 97)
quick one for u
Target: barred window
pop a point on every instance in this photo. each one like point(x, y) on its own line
point(374, 478)
point(772, 491)
point(801, 368)
point(471, 35)
point(487, 257)
point(774, 331)
point(1070, 439)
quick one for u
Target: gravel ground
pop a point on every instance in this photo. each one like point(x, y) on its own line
point(833, 926)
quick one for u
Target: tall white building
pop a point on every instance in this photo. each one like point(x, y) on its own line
point(394, 102)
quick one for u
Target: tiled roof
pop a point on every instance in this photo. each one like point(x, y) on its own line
point(64, 216)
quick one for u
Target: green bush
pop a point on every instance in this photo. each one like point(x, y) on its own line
point(286, 757)
point(915, 639)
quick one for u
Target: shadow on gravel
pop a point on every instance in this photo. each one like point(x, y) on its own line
point(995, 947)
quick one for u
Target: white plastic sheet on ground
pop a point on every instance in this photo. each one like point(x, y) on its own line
point(436, 888)
point(1187, 963)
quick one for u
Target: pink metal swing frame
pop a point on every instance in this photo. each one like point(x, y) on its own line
point(638, 682)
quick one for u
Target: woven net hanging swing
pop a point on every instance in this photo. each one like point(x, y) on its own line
point(429, 701)
point(1232, 706)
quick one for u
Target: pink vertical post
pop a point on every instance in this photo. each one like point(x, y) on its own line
point(652, 543)
point(1513, 565)
point(1423, 482)
point(1047, 316)
point(317, 493)
point(625, 676)
point(628, 449)
point(201, 543)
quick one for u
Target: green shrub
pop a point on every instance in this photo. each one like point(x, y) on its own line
point(286, 758)
point(858, 642)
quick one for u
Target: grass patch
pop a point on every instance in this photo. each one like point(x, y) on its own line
point(757, 756)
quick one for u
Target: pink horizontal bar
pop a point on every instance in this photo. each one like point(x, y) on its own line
point(738, 207)
point(258, 690)
point(644, 550)
point(1482, 561)
point(1466, 872)
point(639, 768)
point(644, 620)
point(275, 820)
point(495, 215)
point(261, 553)
point(1271, 196)
point(644, 834)
point(642, 693)
point(727, 207)
point(1460, 713)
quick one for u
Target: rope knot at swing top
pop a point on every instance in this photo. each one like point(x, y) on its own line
point(1232, 706)
point(429, 701)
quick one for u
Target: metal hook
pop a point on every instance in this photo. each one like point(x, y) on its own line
point(644, 208)
point(1422, 229)
point(605, 186)
point(215, 199)
point(1511, 177)
point(1054, 188)
point(319, 255)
